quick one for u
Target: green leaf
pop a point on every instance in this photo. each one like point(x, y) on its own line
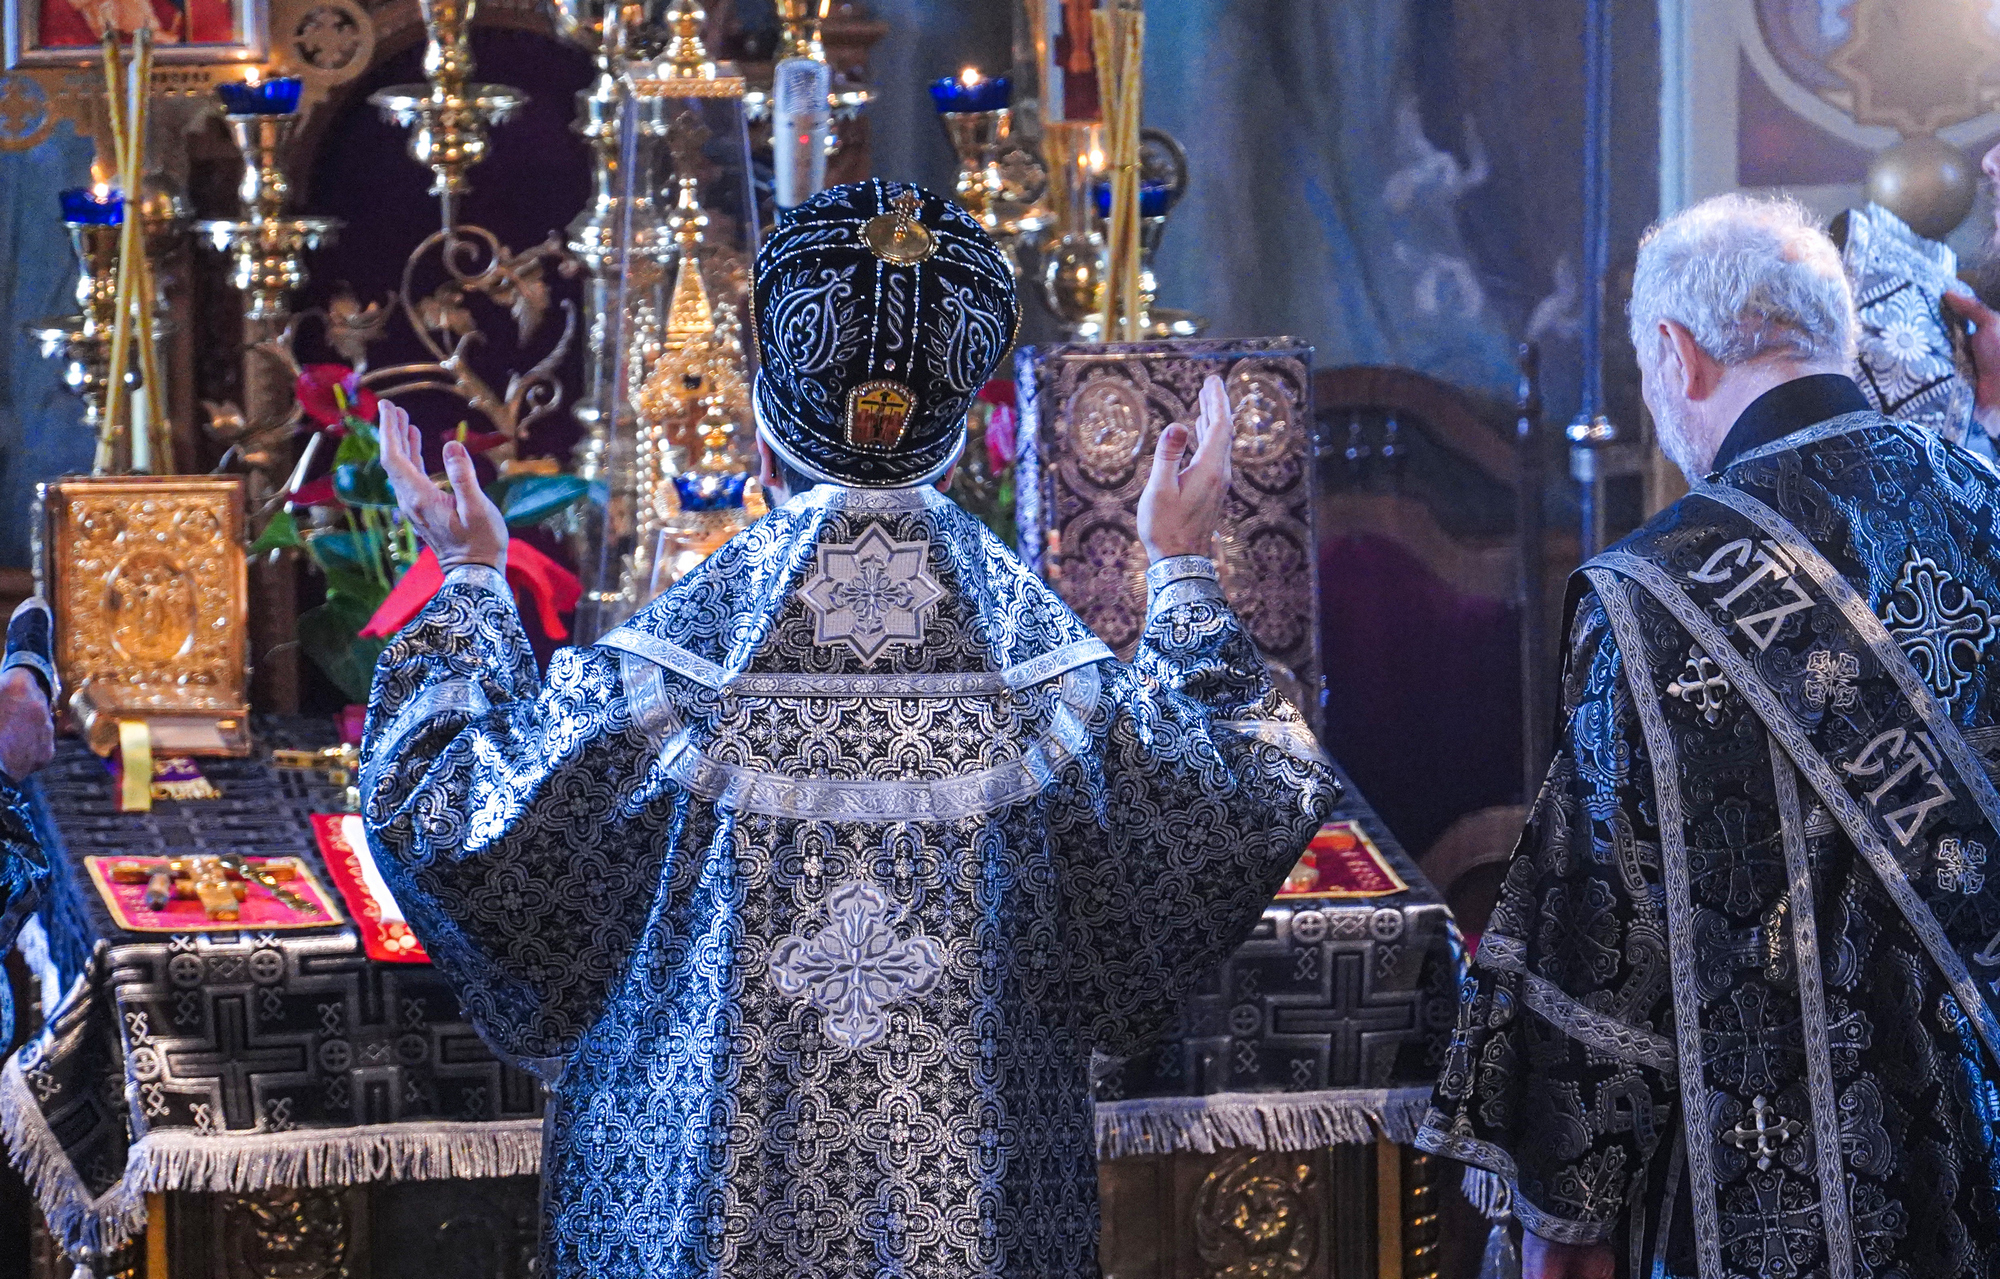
point(363, 484)
point(281, 533)
point(357, 446)
point(330, 636)
point(530, 499)
point(338, 550)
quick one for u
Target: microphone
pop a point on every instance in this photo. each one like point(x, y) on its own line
point(801, 119)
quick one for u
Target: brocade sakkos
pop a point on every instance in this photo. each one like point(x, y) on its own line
point(1733, 1013)
point(812, 889)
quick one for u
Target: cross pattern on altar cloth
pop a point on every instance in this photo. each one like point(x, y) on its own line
point(238, 1057)
point(1763, 1138)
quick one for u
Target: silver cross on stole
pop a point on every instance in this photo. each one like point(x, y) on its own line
point(1765, 1137)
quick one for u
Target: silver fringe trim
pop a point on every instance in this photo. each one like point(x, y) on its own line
point(180, 1160)
point(1489, 1193)
point(1259, 1121)
point(79, 1222)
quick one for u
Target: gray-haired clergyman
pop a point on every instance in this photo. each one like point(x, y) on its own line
point(1734, 1012)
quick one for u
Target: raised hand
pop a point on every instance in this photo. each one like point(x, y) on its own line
point(463, 525)
point(1985, 347)
point(1181, 509)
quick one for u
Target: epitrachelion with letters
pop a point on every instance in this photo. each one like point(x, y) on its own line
point(1091, 416)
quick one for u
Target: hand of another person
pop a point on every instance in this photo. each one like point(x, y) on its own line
point(1181, 509)
point(1543, 1259)
point(1985, 345)
point(27, 729)
point(463, 526)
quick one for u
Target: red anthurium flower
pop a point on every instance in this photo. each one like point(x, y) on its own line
point(330, 393)
point(317, 492)
point(482, 442)
point(537, 580)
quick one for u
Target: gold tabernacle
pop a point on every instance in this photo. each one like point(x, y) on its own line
point(146, 578)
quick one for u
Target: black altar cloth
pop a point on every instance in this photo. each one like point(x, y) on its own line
point(233, 1061)
point(1328, 1026)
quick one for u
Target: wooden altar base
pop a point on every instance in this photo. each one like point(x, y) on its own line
point(1342, 1212)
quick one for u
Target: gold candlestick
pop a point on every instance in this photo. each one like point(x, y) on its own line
point(83, 341)
point(267, 247)
point(449, 116)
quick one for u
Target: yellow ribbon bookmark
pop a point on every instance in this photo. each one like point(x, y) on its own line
point(135, 758)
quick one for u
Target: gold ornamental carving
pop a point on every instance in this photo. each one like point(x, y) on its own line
point(146, 577)
point(1255, 1217)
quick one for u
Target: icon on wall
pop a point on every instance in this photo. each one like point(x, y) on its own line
point(56, 33)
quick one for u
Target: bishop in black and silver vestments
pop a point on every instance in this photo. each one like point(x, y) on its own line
point(1734, 1015)
point(811, 889)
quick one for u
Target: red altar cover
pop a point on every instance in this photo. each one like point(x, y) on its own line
point(384, 934)
point(1342, 862)
point(259, 910)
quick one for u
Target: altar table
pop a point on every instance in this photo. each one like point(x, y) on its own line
point(279, 1098)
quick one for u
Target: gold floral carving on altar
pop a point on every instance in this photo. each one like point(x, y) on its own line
point(146, 577)
point(1255, 1217)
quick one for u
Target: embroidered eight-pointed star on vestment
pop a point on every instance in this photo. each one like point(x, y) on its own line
point(871, 593)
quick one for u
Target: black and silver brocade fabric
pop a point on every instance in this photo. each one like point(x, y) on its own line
point(813, 888)
point(24, 870)
point(1847, 1115)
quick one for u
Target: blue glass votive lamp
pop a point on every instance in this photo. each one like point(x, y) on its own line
point(970, 91)
point(1155, 199)
point(702, 491)
point(85, 206)
point(276, 96)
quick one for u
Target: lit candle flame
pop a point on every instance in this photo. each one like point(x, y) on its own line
point(970, 77)
point(253, 76)
point(100, 191)
point(1096, 160)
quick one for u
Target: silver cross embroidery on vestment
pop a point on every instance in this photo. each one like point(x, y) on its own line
point(1702, 686)
point(1763, 1137)
point(856, 966)
point(1940, 623)
point(1960, 866)
point(871, 593)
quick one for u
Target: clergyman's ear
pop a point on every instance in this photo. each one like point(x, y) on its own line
point(1695, 372)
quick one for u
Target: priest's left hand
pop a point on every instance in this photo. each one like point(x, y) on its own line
point(463, 526)
point(27, 730)
point(1985, 344)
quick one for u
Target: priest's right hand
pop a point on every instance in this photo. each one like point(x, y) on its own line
point(1181, 509)
point(461, 525)
point(1543, 1259)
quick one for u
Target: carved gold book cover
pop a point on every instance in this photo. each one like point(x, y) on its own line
point(146, 578)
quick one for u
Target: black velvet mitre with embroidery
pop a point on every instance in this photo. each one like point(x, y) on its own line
point(881, 309)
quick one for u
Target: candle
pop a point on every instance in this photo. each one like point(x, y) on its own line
point(92, 206)
point(254, 96)
point(971, 91)
point(1155, 198)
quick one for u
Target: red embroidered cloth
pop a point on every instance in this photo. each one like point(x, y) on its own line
point(343, 845)
point(1342, 862)
point(259, 911)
